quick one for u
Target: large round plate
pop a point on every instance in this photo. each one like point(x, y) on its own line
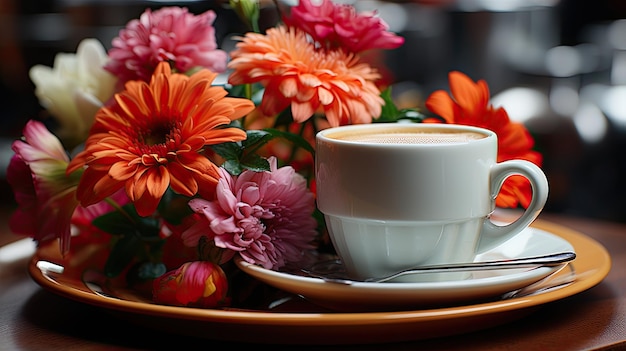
point(361, 296)
point(305, 324)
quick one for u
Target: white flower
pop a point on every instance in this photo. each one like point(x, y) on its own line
point(75, 88)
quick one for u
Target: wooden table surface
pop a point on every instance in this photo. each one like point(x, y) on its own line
point(32, 318)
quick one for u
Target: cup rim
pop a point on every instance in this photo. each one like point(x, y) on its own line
point(323, 134)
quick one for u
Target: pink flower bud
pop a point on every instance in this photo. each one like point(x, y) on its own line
point(195, 284)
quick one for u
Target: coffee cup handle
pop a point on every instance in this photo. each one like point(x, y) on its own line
point(492, 234)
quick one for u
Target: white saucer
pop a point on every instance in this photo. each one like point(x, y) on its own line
point(403, 296)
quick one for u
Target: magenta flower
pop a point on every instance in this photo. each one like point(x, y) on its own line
point(339, 26)
point(197, 284)
point(169, 34)
point(264, 216)
point(44, 194)
point(46, 197)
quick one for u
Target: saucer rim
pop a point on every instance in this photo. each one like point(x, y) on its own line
point(366, 296)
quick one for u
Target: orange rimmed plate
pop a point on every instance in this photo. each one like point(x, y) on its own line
point(304, 323)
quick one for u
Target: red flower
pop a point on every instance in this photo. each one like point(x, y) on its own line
point(469, 105)
point(197, 284)
point(339, 26)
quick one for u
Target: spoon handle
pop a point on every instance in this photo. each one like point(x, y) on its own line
point(554, 259)
point(525, 262)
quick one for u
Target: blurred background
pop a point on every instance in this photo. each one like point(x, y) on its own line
point(559, 66)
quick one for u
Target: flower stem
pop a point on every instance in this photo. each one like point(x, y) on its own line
point(119, 208)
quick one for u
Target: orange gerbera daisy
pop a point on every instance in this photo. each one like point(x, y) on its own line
point(469, 105)
point(294, 72)
point(153, 137)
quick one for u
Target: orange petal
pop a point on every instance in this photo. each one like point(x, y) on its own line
point(469, 95)
point(440, 103)
point(146, 205)
point(182, 180)
point(120, 171)
point(136, 187)
point(241, 107)
point(95, 186)
point(158, 179)
point(288, 87)
point(301, 111)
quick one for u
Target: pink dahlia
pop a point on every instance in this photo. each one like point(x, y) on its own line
point(340, 26)
point(264, 216)
point(169, 34)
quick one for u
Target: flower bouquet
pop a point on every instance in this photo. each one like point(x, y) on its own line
point(175, 175)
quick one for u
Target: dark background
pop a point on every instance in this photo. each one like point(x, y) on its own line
point(557, 66)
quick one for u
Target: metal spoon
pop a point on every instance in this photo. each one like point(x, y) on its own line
point(554, 259)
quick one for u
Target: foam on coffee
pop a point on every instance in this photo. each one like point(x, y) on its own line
point(404, 137)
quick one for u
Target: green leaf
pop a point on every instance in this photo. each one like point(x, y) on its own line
point(149, 270)
point(228, 151)
point(233, 167)
point(295, 139)
point(148, 228)
point(255, 163)
point(285, 118)
point(389, 111)
point(239, 157)
point(122, 254)
point(142, 272)
point(115, 223)
point(255, 137)
point(174, 207)
point(127, 222)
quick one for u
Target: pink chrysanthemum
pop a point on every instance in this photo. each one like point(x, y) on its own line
point(264, 216)
point(294, 72)
point(340, 26)
point(169, 34)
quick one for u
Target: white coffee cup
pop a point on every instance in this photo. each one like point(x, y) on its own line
point(400, 203)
